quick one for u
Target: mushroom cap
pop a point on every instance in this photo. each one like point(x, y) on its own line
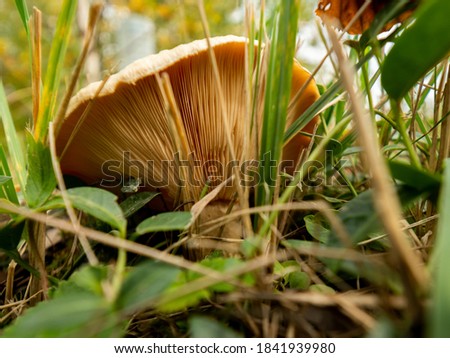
point(120, 129)
point(340, 12)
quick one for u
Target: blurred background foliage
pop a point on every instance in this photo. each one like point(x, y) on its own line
point(128, 29)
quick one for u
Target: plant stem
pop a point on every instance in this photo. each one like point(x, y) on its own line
point(404, 134)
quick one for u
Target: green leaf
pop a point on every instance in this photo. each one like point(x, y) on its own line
point(54, 68)
point(359, 218)
point(413, 177)
point(177, 220)
point(190, 299)
point(145, 283)
point(316, 229)
point(418, 49)
point(207, 327)
point(186, 278)
point(224, 264)
point(439, 310)
point(12, 139)
point(99, 203)
point(298, 280)
point(24, 14)
point(77, 308)
point(41, 180)
point(86, 279)
point(80, 314)
point(135, 202)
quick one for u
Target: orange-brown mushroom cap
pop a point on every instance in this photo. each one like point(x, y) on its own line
point(123, 130)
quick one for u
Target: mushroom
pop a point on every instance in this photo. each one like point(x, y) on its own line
point(120, 130)
point(341, 13)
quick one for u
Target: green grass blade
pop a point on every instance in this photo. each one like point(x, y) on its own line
point(439, 324)
point(14, 148)
point(24, 14)
point(54, 68)
point(8, 191)
point(278, 90)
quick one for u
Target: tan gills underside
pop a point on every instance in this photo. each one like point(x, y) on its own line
point(125, 129)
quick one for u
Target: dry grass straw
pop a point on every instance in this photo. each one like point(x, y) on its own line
point(36, 58)
point(243, 198)
point(90, 255)
point(385, 197)
point(94, 15)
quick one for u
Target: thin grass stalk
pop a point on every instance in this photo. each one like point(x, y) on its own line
point(444, 149)
point(385, 199)
point(217, 81)
point(7, 189)
point(277, 95)
point(36, 249)
point(16, 154)
point(94, 15)
point(90, 255)
point(54, 69)
point(36, 59)
point(315, 155)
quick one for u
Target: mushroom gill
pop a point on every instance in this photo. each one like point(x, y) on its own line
point(123, 130)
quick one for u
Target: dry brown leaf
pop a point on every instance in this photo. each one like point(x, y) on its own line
point(340, 13)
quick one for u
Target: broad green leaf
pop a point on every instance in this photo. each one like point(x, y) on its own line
point(41, 180)
point(224, 264)
point(439, 309)
point(145, 283)
point(135, 202)
point(316, 229)
point(12, 139)
point(418, 49)
point(54, 68)
point(86, 279)
point(177, 220)
point(186, 278)
point(99, 203)
point(77, 308)
point(79, 314)
point(208, 327)
point(359, 218)
point(171, 304)
point(298, 280)
point(414, 177)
